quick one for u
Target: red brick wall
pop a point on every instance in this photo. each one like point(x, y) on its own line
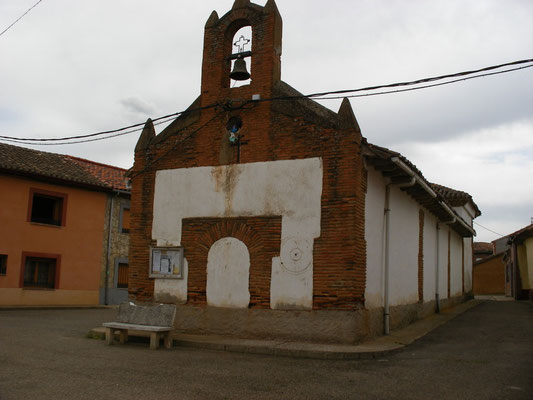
point(273, 130)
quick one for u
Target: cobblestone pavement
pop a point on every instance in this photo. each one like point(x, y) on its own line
point(484, 353)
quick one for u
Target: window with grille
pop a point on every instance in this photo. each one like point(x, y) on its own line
point(40, 272)
point(122, 279)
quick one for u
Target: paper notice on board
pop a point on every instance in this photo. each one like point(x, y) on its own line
point(156, 260)
point(165, 265)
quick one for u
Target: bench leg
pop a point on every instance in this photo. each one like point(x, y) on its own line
point(123, 336)
point(168, 340)
point(109, 335)
point(154, 340)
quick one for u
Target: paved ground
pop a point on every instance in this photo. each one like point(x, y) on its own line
point(484, 353)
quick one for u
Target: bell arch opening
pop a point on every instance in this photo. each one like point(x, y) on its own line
point(241, 63)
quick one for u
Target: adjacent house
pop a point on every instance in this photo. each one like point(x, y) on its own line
point(65, 223)
point(518, 260)
point(263, 214)
point(490, 276)
point(507, 269)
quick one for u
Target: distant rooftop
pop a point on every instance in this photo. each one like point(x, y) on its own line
point(518, 235)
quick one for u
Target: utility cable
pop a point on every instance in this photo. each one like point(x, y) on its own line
point(94, 139)
point(140, 124)
point(319, 96)
point(490, 230)
point(19, 18)
point(176, 143)
point(424, 80)
point(424, 86)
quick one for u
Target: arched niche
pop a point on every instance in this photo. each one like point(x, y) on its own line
point(228, 274)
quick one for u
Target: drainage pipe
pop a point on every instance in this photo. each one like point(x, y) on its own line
point(386, 311)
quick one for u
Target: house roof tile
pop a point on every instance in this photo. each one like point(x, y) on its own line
point(60, 168)
point(456, 198)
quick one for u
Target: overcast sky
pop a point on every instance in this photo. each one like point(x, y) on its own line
point(76, 67)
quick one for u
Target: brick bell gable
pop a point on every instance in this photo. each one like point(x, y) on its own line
point(279, 126)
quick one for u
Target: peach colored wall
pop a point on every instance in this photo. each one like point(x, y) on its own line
point(489, 277)
point(79, 242)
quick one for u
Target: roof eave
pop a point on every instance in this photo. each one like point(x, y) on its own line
point(396, 168)
point(55, 180)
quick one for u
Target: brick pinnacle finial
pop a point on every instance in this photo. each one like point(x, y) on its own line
point(240, 4)
point(347, 117)
point(146, 135)
point(271, 6)
point(212, 20)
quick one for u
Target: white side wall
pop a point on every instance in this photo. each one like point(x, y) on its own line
point(430, 255)
point(443, 261)
point(403, 248)
point(374, 226)
point(404, 243)
point(456, 267)
point(467, 212)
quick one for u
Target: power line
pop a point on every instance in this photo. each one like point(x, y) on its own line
point(490, 230)
point(410, 83)
point(178, 141)
point(140, 124)
point(19, 18)
point(94, 139)
point(424, 86)
point(463, 76)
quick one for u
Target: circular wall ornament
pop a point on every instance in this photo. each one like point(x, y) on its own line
point(296, 254)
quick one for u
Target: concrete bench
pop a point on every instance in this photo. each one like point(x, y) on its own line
point(158, 320)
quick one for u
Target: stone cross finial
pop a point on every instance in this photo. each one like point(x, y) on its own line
point(241, 43)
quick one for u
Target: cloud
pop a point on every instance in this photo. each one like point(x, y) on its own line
point(492, 164)
point(137, 106)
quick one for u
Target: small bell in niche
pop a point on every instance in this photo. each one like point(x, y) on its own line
point(239, 73)
point(233, 126)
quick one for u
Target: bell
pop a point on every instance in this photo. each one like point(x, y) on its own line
point(239, 72)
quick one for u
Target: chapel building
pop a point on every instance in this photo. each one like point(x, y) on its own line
point(263, 214)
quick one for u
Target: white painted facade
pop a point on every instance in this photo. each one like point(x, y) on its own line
point(291, 189)
point(404, 245)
